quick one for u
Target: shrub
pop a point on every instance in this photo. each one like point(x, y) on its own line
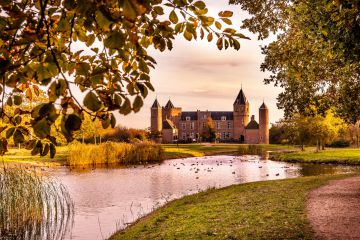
point(111, 153)
point(339, 144)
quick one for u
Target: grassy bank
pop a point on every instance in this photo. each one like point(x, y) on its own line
point(261, 210)
point(23, 156)
point(32, 207)
point(349, 156)
point(172, 151)
point(110, 153)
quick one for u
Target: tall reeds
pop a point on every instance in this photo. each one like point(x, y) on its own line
point(110, 153)
point(251, 149)
point(33, 207)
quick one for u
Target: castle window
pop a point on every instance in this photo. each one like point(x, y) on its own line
point(229, 125)
point(204, 116)
point(192, 124)
point(223, 135)
point(184, 136)
point(191, 135)
point(204, 124)
point(223, 118)
point(217, 125)
point(188, 118)
point(183, 126)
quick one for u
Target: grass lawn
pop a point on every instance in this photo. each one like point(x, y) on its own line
point(23, 156)
point(260, 210)
point(338, 156)
point(172, 151)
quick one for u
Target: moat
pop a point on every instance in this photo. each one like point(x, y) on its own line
point(108, 199)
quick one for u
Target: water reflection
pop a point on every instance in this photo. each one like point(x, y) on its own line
point(109, 199)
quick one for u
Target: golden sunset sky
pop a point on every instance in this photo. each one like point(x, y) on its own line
point(196, 75)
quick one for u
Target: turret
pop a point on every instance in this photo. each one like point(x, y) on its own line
point(241, 115)
point(156, 117)
point(263, 124)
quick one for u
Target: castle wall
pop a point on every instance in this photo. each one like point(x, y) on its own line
point(169, 135)
point(252, 136)
point(156, 120)
point(241, 119)
point(264, 126)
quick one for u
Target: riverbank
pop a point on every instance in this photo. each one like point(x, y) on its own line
point(174, 151)
point(171, 151)
point(349, 156)
point(260, 210)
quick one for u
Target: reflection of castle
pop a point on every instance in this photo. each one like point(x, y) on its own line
point(175, 124)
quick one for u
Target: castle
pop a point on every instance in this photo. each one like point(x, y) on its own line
point(176, 125)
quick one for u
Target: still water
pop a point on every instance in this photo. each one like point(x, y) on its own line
point(108, 199)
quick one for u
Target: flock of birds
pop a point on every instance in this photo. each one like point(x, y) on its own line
point(197, 166)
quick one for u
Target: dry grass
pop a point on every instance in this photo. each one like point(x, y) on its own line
point(109, 153)
point(32, 207)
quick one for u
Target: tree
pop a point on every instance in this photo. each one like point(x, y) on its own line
point(36, 51)
point(208, 132)
point(316, 55)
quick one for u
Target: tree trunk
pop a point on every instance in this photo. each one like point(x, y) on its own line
point(302, 147)
point(99, 139)
point(357, 141)
point(95, 140)
point(83, 140)
point(317, 145)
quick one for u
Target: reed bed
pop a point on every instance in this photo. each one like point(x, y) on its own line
point(111, 153)
point(33, 207)
point(251, 149)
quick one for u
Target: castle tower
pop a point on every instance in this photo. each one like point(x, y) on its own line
point(241, 116)
point(263, 124)
point(156, 117)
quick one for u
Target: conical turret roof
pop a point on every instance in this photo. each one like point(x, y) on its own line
point(240, 99)
point(156, 104)
point(169, 105)
point(263, 105)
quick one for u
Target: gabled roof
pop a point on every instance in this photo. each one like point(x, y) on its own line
point(252, 125)
point(192, 115)
point(240, 99)
point(169, 105)
point(263, 105)
point(167, 124)
point(218, 115)
point(155, 104)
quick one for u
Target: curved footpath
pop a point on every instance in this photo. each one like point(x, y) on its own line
point(334, 209)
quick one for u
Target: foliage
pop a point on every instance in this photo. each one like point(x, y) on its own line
point(339, 144)
point(123, 134)
point(355, 133)
point(277, 133)
point(316, 129)
point(110, 153)
point(32, 207)
point(315, 58)
point(110, 64)
point(209, 133)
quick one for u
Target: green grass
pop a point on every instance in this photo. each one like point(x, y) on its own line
point(349, 156)
point(261, 210)
point(23, 156)
point(172, 151)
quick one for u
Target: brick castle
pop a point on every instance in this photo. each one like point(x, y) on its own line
point(232, 126)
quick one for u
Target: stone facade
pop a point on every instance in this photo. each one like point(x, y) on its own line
point(176, 125)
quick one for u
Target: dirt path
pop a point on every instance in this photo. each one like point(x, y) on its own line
point(334, 210)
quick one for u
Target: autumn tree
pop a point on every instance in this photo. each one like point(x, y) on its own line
point(111, 66)
point(315, 57)
point(208, 132)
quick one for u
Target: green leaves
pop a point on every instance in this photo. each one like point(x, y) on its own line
point(102, 20)
point(41, 128)
point(173, 17)
point(69, 124)
point(116, 40)
point(18, 137)
point(92, 102)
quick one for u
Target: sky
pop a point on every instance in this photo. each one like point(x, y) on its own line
point(197, 76)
